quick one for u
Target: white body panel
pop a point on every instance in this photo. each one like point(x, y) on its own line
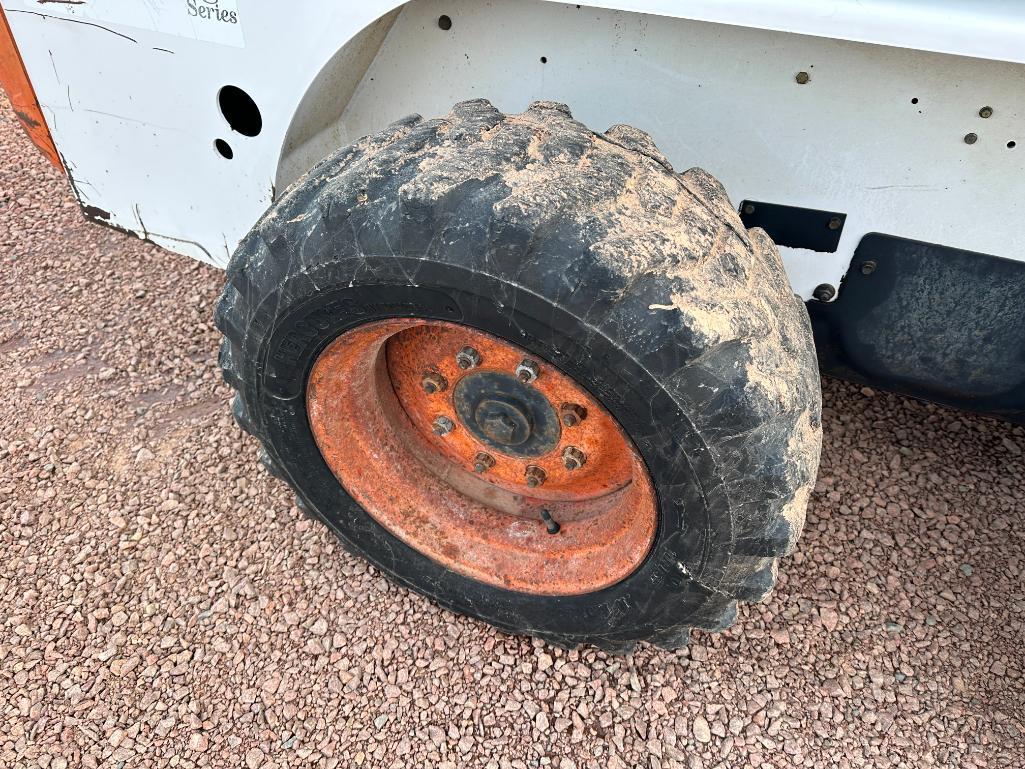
point(133, 109)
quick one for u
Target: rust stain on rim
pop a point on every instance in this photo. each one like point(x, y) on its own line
point(374, 422)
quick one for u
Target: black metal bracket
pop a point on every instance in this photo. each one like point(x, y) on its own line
point(795, 227)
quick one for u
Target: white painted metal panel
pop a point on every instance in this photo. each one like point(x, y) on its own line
point(986, 29)
point(133, 107)
point(878, 133)
point(132, 103)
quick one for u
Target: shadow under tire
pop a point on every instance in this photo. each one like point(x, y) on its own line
point(589, 254)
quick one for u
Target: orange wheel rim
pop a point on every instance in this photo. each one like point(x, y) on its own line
point(482, 457)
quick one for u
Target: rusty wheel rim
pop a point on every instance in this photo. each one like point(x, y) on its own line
point(482, 457)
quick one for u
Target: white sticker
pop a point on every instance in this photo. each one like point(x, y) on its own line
point(213, 21)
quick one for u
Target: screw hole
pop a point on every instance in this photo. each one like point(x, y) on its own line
point(240, 110)
point(1011, 145)
point(444, 22)
point(914, 100)
point(224, 149)
point(544, 59)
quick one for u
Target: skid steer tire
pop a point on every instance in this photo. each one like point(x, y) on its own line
point(590, 253)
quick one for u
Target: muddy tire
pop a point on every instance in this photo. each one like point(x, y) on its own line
point(588, 254)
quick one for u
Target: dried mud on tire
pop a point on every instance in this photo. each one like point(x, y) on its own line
point(590, 251)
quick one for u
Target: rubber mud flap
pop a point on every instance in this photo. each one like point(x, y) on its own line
point(929, 321)
point(590, 253)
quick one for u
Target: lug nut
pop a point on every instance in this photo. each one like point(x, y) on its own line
point(573, 458)
point(433, 382)
point(535, 476)
point(572, 414)
point(443, 426)
point(483, 462)
point(468, 358)
point(527, 371)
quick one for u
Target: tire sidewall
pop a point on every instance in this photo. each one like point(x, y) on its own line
point(694, 528)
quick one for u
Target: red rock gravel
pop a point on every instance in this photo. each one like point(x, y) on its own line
point(162, 603)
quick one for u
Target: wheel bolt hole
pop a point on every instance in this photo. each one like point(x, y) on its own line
point(483, 462)
point(572, 414)
point(573, 458)
point(468, 358)
point(527, 371)
point(433, 382)
point(443, 426)
point(535, 476)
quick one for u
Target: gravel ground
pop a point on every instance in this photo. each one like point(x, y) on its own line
point(163, 603)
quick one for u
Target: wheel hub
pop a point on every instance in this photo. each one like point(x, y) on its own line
point(503, 423)
point(519, 480)
point(506, 415)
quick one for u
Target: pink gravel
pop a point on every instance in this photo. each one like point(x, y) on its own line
point(163, 603)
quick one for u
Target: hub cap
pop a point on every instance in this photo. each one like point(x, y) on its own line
point(506, 414)
point(434, 430)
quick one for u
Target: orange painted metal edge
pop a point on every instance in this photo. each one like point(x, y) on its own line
point(15, 82)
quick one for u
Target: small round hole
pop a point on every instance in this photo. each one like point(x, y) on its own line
point(224, 149)
point(240, 110)
point(445, 22)
point(544, 59)
point(915, 100)
point(1011, 145)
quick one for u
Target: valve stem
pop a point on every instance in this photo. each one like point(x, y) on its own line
point(550, 523)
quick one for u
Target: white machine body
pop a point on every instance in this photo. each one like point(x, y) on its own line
point(880, 129)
